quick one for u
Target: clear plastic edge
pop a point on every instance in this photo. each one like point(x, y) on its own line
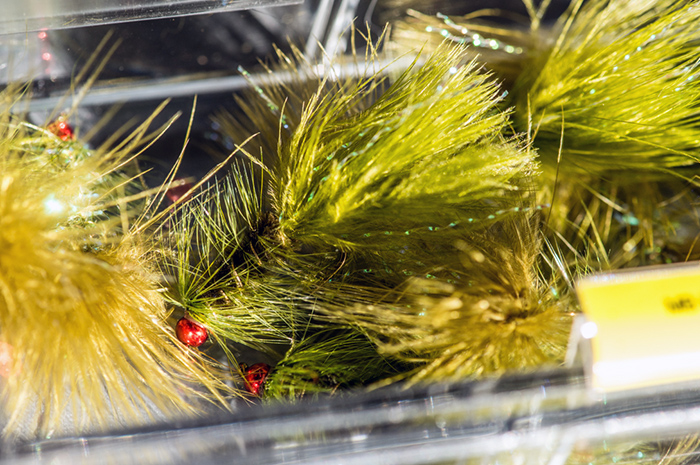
point(37, 15)
point(542, 417)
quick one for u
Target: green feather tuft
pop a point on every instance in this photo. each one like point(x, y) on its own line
point(622, 84)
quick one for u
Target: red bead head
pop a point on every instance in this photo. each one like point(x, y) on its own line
point(191, 333)
point(255, 377)
point(61, 129)
point(178, 191)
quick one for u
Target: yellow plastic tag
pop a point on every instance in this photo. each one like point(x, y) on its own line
point(644, 325)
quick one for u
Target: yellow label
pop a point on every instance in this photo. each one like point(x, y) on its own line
point(644, 324)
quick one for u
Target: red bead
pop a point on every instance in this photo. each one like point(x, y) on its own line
point(255, 378)
point(62, 129)
point(175, 193)
point(191, 333)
